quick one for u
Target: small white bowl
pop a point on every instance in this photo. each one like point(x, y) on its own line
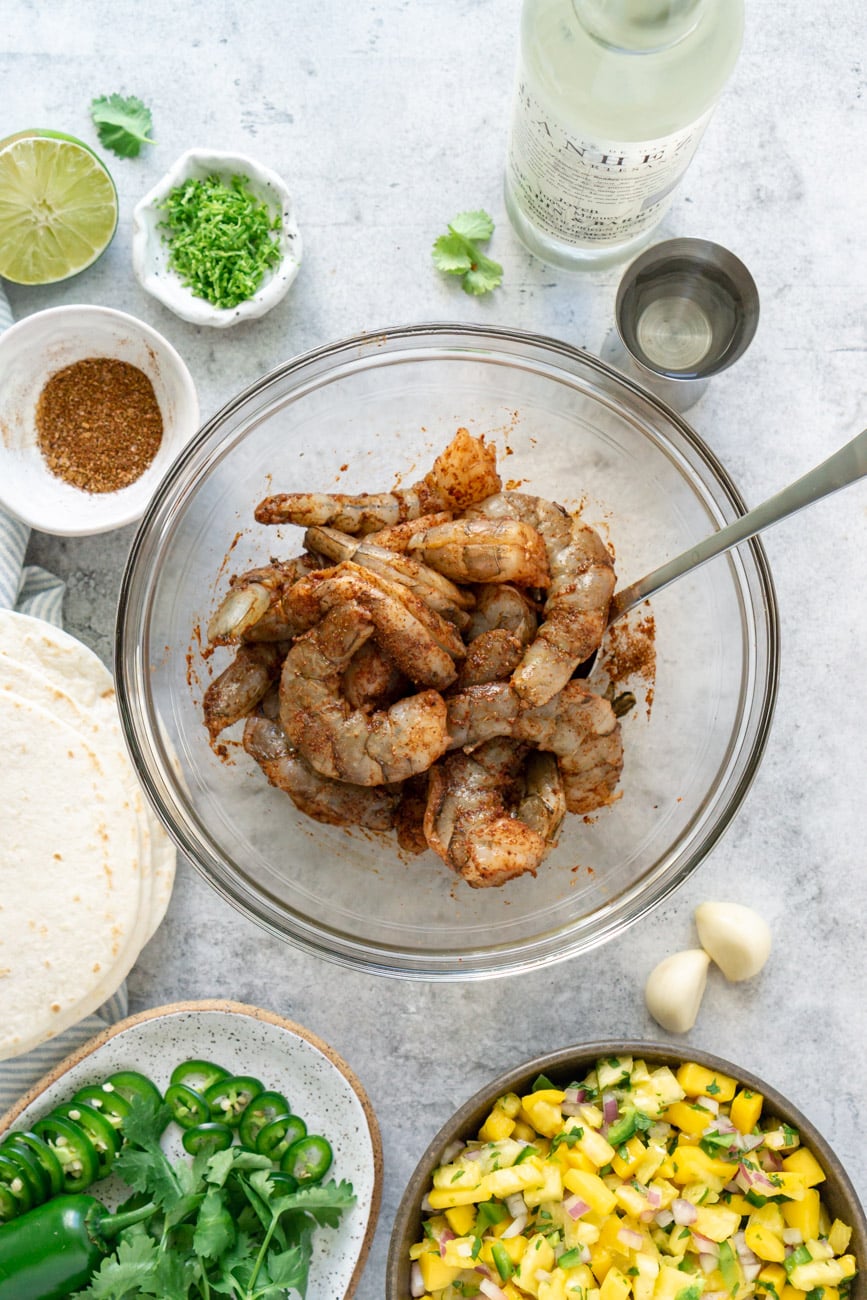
point(150, 254)
point(36, 348)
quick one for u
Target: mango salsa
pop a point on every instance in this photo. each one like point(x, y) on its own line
point(634, 1183)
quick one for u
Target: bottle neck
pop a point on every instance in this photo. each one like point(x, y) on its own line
point(639, 26)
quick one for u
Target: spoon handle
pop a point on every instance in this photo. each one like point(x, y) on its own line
point(845, 466)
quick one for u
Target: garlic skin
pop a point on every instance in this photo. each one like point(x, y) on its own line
point(675, 987)
point(735, 937)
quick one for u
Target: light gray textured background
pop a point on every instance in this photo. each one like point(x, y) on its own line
point(386, 118)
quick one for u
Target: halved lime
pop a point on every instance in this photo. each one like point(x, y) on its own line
point(58, 207)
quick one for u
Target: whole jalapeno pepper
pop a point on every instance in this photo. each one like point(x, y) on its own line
point(53, 1250)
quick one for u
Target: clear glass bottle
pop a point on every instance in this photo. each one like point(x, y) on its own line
point(612, 100)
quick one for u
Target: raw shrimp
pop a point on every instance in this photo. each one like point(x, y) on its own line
point(503, 606)
point(397, 537)
point(468, 822)
point(338, 803)
point(371, 680)
point(426, 583)
point(485, 550)
point(241, 686)
point(462, 474)
point(352, 744)
point(252, 609)
point(491, 657)
point(576, 725)
point(576, 607)
point(421, 642)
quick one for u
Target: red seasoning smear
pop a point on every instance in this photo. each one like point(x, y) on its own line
point(630, 653)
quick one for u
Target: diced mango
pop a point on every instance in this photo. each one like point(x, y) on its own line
point(689, 1117)
point(553, 1287)
point(497, 1126)
point(698, 1081)
point(803, 1162)
point(435, 1273)
point(459, 1252)
point(616, 1285)
point(461, 1219)
point(790, 1185)
point(631, 1200)
point(591, 1189)
point(692, 1165)
point(803, 1214)
point(628, 1156)
point(745, 1110)
point(596, 1148)
point(668, 1282)
point(764, 1243)
point(600, 1261)
point(771, 1276)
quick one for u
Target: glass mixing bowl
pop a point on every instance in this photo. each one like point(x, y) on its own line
point(364, 414)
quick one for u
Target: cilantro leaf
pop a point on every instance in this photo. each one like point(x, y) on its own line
point(121, 124)
point(457, 253)
point(215, 1229)
point(131, 1268)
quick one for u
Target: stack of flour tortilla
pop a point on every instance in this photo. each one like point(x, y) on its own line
point(86, 872)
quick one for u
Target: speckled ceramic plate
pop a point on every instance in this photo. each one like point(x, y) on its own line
point(285, 1056)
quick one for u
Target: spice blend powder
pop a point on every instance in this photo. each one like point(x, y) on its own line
point(98, 424)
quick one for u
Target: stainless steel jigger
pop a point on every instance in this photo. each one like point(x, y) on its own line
point(685, 310)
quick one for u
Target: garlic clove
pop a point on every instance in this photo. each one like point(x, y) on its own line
point(735, 937)
point(674, 989)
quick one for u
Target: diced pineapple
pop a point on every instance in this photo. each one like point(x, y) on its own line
point(790, 1185)
point(553, 1287)
point(692, 1165)
point(632, 1200)
point(716, 1222)
point(446, 1198)
point(839, 1236)
point(462, 1174)
point(505, 1182)
point(538, 1257)
point(542, 1110)
point(668, 1282)
point(497, 1126)
point(550, 1190)
point(591, 1189)
point(666, 1086)
point(616, 1285)
point(612, 1071)
point(822, 1272)
point(651, 1162)
point(698, 1081)
point(596, 1148)
point(628, 1156)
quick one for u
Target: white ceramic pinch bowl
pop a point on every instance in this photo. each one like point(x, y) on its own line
point(150, 254)
point(36, 348)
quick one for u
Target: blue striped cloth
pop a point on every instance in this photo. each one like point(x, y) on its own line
point(31, 590)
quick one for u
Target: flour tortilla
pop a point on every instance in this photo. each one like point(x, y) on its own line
point(71, 667)
point(70, 883)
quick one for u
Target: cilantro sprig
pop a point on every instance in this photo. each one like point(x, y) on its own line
point(123, 125)
point(221, 1227)
point(458, 253)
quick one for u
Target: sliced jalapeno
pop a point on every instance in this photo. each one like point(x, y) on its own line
point(43, 1153)
point(229, 1098)
point(130, 1084)
point(105, 1138)
point(16, 1183)
point(261, 1112)
point(110, 1104)
point(308, 1159)
point(284, 1184)
point(73, 1148)
point(199, 1075)
point(32, 1172)
point(275, 1139)
point(8, 1204)
point(188, 1107)
point(212, 1135)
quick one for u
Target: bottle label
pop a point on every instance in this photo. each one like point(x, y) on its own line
point(583, 191)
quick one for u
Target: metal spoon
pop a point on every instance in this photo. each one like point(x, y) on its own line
point(845, 466)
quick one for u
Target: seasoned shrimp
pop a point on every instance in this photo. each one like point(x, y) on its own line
point(421, 642)
point(503, 606)
point(338, 803)
point(485, 550)
point(468, 821)
point(352, 744)
point(576, 607)
point(397, 537)
point(543, 805)
point(426, 583)
point(409, 814)
point(576, 725)
point(252, 609)
point(371, 680)
point(464, 473)
point(491, 657)
point(241, 686)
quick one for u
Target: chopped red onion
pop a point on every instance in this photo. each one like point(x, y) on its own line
point(570, 1108)
point(631, 1239)
point(683, 1211)
point(609, 1107)
point(445, 1235)
point(575, 1207)
point(654, 1197)
point(453, 1149)
point(473, 1153)
point(416, 1282)
point(426, 1205)
point(792, 1236)
point(751, 1271)
point(575, 1095)
point(516, 1227)
point(516, 1204)
point(705, 1245)
point(711, 1104)
point(664, 1218)
point(749, 1141)
point(489, 1288)
point(747, 1179)
point(772, 1161)
point(708, 1262)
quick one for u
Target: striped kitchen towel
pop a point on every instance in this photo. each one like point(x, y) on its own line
point(31, 590)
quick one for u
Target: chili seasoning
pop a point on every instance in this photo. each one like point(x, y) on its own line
point(98, 424)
